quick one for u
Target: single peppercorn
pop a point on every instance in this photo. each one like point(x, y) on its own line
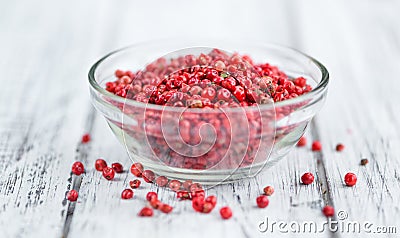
point(108, 173)
point(174, 185)
point(148, 176)
point(211, 199)
point(146, 212)
point(262, 201)
point(72, 195)
point(100, 164)
point(268, 190)
point(161, 181)
point(302, 142)
point(328, 211)
point(137, 169)
point(364, 161)
point(127, 194)
point(198, 203)
point(316, 146)
point(339, 147)
point(151, 196)
point(182, 195)
point(350, 179)
point(307, 178)
point(134, 183)
point(117, 167)
point(85, 138)
point(78, 168)
point(225, 212)
point(165, 208)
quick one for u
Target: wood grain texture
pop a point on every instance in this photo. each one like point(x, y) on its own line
point(47, 48)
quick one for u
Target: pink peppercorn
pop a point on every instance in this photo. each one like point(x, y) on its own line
point(262, 201)
point(85, 138)
point(72, 195)
point(78, 168)
point(127, 194)
point(118, 168)
point(316, 146)
point(350, 179)
point(146, 212)
point(225, 212)
point(307, 178)
point(328, 211)
point(100, 164)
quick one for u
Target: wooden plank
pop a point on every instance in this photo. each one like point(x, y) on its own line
point(40, 115)
point(361, 51)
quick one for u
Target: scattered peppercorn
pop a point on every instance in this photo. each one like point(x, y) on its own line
point(72, 195)
point(225, 212)
point(339, 147)
point(146, 212)
point(85, 138)
point(134, 183)
point(108, 173)
point(350, 179)
point(262, 201)
point(118, 168)
point(269, 190)
point(100, 164)
point(328, 211)
point(78, 168)
point(316, 146)
point(307, 178)
point(127, 194)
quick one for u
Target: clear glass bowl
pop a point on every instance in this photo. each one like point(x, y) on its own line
point(207, 145)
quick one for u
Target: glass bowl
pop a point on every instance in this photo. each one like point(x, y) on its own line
point(207, 145)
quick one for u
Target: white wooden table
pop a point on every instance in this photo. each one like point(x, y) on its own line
point(47, 47)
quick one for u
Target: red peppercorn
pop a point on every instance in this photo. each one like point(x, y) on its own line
point(151, 196)
point(78, 168)
point(302, 142)
point(316, 146)
point(212, 199)
point(134, 183)
point(108, 173)
point(269, 190)
point(239, 93)
point(328, 211)
point(127, 194)
point(207, 207)
point(148, 176)
point(155, 203)
point(174, 185)
point(85, 138)
point(162, 181)
point(350, 179)
point(307, 178)
point(165, 208)
point(225, 212)
point(137, 169)
point(198, 193)
point(118, 168)
point(186, 185)
point(198, 203)
point(262, 201)
point(72, 195)
point(119, 73)
point(183, 195)
point(146, 212)
point(100, 164)
point(339, 147)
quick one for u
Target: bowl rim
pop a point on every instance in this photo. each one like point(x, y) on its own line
point(318, 90)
